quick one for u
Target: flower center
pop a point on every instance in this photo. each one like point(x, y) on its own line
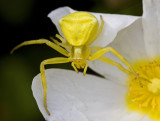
point(154, 86)
point(145, 99)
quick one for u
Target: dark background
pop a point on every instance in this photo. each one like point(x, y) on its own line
point(22, 20)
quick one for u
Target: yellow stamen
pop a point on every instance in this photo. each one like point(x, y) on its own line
point(154, 87)
point(147, 99)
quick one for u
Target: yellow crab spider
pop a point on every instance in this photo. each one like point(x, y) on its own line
point(80, 29)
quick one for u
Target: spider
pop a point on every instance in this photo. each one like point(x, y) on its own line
point(80, 30)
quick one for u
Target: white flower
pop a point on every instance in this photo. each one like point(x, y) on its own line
point(74, 97)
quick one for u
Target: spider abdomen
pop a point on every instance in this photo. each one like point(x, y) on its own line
point(79, 28)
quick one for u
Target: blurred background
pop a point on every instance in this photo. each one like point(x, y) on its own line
point(22, 20)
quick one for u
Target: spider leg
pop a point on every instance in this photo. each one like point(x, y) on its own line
point(66, 46)
point(61, 38)
point(113, 63)
point(99, 30)
point(85, 69)
point(42, 41)
point(42, 70)
point(102, 51)
point(73, 65)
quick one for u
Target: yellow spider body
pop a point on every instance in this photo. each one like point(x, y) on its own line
point(80, 29)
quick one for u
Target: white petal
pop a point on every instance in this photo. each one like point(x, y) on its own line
point(151, 25)
point(74, 97)
point(130, 44)
point(113, 24)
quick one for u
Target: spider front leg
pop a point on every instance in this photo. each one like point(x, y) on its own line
point(99, 30)
point(42, 41)
point(42, 70)
point(100, 52)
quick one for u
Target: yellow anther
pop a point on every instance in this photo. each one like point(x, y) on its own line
point(154, 86)
point(146, 99)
